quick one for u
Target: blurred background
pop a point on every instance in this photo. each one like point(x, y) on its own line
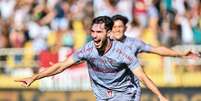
point(34, 33)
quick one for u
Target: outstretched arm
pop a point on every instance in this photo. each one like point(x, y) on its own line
point(163, 51)
point(52, 70)
point(148, 82)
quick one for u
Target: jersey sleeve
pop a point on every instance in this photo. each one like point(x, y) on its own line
point(134, 64)
point(82, 53)
point(142, 46)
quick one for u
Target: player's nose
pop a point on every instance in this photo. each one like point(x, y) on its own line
point(93, 35)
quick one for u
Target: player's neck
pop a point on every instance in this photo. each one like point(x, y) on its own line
point(122, 38)
point(108, 45)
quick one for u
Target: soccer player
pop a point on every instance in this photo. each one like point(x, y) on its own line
point(110, 64)
point(138, 46)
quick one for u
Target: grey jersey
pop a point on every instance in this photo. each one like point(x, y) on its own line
point(137, 45)
point(110, 73)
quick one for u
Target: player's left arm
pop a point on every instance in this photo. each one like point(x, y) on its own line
point(137, 70)
point(148, 82)
point(164, 51)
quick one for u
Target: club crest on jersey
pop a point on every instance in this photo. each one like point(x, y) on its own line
point(109, 93)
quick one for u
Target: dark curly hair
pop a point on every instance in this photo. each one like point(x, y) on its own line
point(120, 17)
point(104, 19)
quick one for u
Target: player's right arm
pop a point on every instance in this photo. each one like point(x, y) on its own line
point(52, 70)
point(78, 56)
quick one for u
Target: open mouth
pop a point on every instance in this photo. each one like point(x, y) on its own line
point(97, 42)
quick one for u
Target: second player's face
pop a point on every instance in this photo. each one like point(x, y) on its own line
point(118, 30)
point(99, 35)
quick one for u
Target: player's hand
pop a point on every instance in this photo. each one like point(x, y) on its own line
point(192, 55)
point(25, 82)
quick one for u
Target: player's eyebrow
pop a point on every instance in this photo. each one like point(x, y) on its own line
point(98, 31)
point(92, 30)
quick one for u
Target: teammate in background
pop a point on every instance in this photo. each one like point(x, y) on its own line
point(110, 64)
point(138, 46)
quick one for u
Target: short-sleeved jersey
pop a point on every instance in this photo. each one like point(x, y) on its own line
point(137, 46)
point(110, 73)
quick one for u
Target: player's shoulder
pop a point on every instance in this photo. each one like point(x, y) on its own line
point(121, 45)
point(117, 43)
point(89, 44)
point(132, 39)
point(88, 47)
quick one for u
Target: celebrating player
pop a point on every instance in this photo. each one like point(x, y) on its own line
point(110, 64)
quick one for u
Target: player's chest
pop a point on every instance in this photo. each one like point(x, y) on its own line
point(106, 62)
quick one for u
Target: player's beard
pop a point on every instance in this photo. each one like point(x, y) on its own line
point(105, 45)
point(97, 44)
point(102, 45)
